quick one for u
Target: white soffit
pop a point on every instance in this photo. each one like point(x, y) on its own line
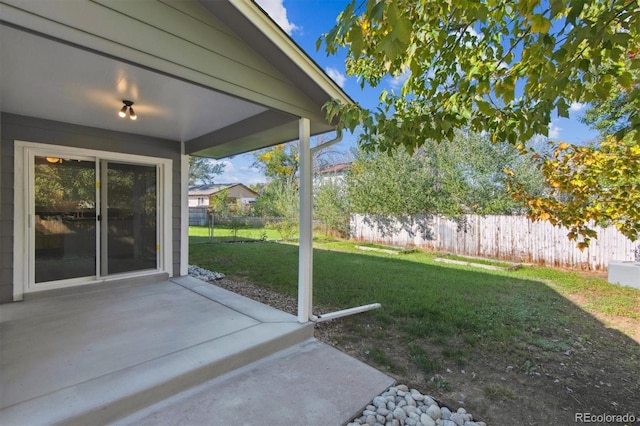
point(43, 78)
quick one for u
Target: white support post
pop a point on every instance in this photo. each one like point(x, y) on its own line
point(184, 213)
point(305, 251)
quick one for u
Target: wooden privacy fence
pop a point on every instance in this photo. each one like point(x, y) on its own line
point(513, 238)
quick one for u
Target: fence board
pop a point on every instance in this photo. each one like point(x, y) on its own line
point(512, 238)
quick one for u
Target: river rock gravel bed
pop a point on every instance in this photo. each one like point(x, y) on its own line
point(204, 274)
point(400, 406)
point(397, 406)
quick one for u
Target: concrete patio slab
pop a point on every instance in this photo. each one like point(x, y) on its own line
point(256, 310)
point(308, 384)
point(92, 356)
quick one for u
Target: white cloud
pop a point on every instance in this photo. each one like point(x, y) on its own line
point(554, 131)
point(577, 106)
point(397, 82)
point(276, 10)
point(336, 76)
point(239, 171)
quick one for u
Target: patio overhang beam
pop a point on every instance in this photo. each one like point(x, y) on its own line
point(224, 142)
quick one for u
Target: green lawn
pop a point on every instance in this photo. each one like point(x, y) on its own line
point(533, 327)
point(426, 297)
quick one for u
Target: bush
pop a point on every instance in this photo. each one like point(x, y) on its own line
point(286, 228)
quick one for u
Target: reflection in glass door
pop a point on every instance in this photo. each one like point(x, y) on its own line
point(129, 218)
point(64, 218)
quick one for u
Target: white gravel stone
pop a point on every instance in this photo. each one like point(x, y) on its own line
point(458, 419)
point(417, 396)
point(426, 420)
point(400, 415)
point(446, 413)
point(204, 274)
point(399, 406)
point(410, 399)
point(379, 401)
point(410, 409)
point(434, 412)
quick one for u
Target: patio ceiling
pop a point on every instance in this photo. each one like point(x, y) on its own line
point(72, 64)
point(48, 79)
point(44, 78)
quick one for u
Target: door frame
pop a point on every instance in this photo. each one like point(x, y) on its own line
point(23, 258)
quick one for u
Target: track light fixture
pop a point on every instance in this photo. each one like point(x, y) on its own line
point(128, 105)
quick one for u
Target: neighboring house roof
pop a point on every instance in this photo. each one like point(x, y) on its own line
point(334, 169)
point(219, 77)
point(214, 188)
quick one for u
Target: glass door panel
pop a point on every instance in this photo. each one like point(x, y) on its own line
point(129, 228)
point(64, 218)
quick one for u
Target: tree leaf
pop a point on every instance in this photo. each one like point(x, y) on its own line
point(540, 24)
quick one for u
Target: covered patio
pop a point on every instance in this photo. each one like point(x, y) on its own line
point(98, 318)
point(128, 351)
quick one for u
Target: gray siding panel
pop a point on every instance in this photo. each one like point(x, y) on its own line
point(15, 127)
point(6, 216)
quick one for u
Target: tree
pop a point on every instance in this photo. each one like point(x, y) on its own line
point(500, 67)
point(611, 116)
point(589, 185)
point(202, 171)
point(441, 178)
point(331, 206)
point(219, 203)
point(279, 163)
point(505, 68)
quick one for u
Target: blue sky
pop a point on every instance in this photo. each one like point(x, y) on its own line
point(305, 21)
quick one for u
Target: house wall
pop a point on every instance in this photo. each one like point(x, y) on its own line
point(15, 127)
point(240, 191)
point(194, 201)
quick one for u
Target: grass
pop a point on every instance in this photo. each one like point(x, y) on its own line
point(505, 337)
point(200, 234)
point(477, 260)
point(499, 393)
point(426, 299)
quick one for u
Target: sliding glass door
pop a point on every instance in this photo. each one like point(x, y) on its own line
point(92, 218)
point(129, 218)
point(64, 218)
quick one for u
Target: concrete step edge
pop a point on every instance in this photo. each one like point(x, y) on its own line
point(108, 398)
